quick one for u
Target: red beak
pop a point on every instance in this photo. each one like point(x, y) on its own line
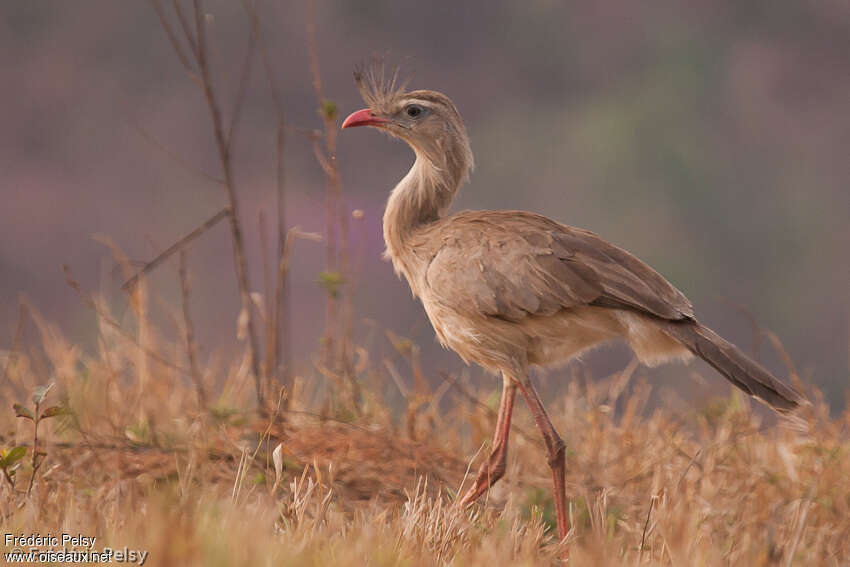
point(363, 117)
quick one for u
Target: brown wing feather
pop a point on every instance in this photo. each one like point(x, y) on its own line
point(627, 281)
point(511, 264)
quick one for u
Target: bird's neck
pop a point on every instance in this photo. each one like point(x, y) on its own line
point(421, 198)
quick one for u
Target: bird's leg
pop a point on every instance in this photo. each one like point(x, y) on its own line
point(494, 468)
point(555, 449)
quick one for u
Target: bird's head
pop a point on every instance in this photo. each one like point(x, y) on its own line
point(427, 120)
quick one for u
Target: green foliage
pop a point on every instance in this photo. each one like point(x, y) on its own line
point(328, 110)
point(53, 411)
point(21, 411)
point(613, 514)
point(139, 433)
point(332, 282)
point(581, 514)
point(345, 415)
point(539, 502)
point(9, 457)
point(494, 399)
point(719, 408)
point(224, 414)
point(10, 462)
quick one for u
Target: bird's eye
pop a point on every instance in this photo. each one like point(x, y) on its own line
point(414, 110)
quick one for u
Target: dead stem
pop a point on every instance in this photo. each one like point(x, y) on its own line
point(338, 351)
point(191, 348)
point(176, 247)
point(278, 339)
point(198, 44)
point(103, 316)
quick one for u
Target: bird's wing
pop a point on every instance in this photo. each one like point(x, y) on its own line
point(512, 264)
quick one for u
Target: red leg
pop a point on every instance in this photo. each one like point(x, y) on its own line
point(555, 451)
point(494, 468)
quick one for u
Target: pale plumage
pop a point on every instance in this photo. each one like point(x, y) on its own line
point(512, 289)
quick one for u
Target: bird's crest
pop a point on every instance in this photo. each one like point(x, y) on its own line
point(379, 88)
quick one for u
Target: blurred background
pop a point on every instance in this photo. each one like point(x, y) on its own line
point(711, 139)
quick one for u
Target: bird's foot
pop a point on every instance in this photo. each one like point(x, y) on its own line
point(488, 473)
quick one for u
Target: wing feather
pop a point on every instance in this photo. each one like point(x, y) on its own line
point(513, 264)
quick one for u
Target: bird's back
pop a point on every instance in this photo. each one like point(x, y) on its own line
point(512, 264)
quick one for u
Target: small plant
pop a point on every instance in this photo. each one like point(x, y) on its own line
point(328, 110)
point(331, 282)
point(10, 462)
point(9, 459)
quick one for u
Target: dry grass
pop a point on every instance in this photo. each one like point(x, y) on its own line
point(160, 451)
point(147, 468)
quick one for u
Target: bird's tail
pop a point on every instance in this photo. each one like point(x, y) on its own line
point(738, 368)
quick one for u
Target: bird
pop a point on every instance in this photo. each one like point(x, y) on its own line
point(513, 290)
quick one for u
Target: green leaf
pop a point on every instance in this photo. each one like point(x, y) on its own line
point(331, 281)
point(40, 392)
point(53, 411)
point(9, 457)
point(21, 411)
point(16, 454)
point(328, 110)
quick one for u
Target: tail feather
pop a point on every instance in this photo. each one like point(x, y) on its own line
point(738, 368)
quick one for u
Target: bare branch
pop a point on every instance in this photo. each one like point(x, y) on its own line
point(179, 160)
point(190, 331)
point(321, 157)
point(235, 226)
point(209, 223)
point(198, 12)
point(187, 31)
point(337, 220)
point(255, 24)
point(175, 43)
point(278, 341)
point(282, 314)
point(114, 324)
point(244, 79)
point(264, 249)
point(282, 270)
point(325, 159)
point(313, 51)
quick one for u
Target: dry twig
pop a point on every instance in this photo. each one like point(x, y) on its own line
point(200, 50)
point(278, 332)
point(176, 247)
point(190, 331)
